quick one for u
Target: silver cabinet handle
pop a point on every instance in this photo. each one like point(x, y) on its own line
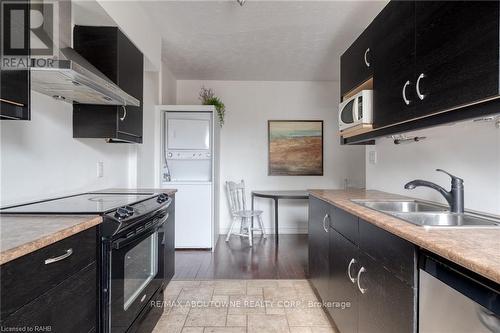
point(122, 118)
point(353, 279)
point(366, 57)
point(363, 290)
point(324, 222)
point(61, 257)
point(419, 94)
point(407, 101)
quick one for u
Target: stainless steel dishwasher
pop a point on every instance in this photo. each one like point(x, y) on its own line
point(454, 300)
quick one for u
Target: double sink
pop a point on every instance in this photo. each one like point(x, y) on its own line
point(428, 215)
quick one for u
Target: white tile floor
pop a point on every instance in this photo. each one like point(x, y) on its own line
point(246, 306)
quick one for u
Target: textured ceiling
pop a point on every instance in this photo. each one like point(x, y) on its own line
point(263, 40)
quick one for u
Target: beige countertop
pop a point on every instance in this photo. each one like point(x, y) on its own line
point(23, 234)
point(475, 249)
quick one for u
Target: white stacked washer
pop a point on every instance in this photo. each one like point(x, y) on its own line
point(189, 163)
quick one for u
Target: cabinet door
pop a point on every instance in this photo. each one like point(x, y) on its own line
point(457, 53)
point(319, 270)
point(69, 307)
point(386, 304)
point(15, 83)
point(394, 64)
point(343, 291)
point(356, 63)
point(130, 79)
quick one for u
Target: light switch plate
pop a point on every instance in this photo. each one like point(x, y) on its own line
point(372, 157)
point(100, 169)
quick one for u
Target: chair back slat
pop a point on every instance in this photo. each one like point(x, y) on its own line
point(236, 196)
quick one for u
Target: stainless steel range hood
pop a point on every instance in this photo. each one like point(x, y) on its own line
point(75, 80)
point(72, 78)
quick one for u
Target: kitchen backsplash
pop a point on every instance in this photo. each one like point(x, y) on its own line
point(470, 150)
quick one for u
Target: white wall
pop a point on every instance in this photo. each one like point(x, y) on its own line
point(468, 150)
point(250, 104)
point(134, 22)
point(168, 86)
point(40, 158)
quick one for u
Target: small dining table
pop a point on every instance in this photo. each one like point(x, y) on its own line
point(276, 196)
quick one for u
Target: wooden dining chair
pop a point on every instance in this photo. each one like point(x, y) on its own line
point(239, 212)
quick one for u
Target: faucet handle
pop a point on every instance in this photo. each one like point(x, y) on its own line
point(454, 179)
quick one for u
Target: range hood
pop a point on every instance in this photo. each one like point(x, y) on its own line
point(74, 80)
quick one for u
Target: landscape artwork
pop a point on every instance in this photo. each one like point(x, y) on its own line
point(295, 147)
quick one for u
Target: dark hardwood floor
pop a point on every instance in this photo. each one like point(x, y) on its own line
point(237, 260)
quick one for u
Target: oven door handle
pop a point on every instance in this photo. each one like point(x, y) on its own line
point(141, 235)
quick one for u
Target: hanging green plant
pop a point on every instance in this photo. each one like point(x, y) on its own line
point(207, 97)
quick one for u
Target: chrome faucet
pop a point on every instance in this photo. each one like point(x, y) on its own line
point(455, 197)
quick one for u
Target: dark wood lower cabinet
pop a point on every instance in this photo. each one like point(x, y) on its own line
point(69, 307)
point(343, 292)
point(366, 287)
point(386, 306)
point(28, 277)
point(319, 271)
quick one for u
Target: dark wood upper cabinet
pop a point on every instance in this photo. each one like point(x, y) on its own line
point(394, 64)
point(110, 51)
point(457, 53)
point(434, 62)
point(15, 83)
point(356, 64)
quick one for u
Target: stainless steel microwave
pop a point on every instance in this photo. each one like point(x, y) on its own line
point(356, 110)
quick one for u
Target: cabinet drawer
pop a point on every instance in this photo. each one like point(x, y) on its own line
point(69, 307)
point(394, 253)
point(26, 278)
point(346, 224)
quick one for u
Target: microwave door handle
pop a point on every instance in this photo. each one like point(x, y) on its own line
point(355, 110)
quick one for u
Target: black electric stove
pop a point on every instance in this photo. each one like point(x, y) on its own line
point(131, 254)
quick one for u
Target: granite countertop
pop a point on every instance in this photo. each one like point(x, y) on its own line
point(23, 234)
point(475, 249)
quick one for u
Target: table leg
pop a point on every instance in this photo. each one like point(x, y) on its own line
point(276, 218)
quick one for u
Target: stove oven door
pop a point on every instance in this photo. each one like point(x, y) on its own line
point(137, 271)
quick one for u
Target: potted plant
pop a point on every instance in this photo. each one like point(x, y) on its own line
point(207, 97)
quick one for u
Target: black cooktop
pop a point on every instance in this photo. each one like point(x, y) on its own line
point(88, 203)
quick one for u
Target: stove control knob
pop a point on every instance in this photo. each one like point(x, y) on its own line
point(162, 198)
point(130, 210)
point(121, 213)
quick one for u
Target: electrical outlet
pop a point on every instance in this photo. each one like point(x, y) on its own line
point(100, 169)
point(372, 157)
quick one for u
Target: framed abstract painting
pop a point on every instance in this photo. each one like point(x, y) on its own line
point(295, 147)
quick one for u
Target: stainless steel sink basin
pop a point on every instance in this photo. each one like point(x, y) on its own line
point(446, 220)
point(428, 215)
point(400, 206)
